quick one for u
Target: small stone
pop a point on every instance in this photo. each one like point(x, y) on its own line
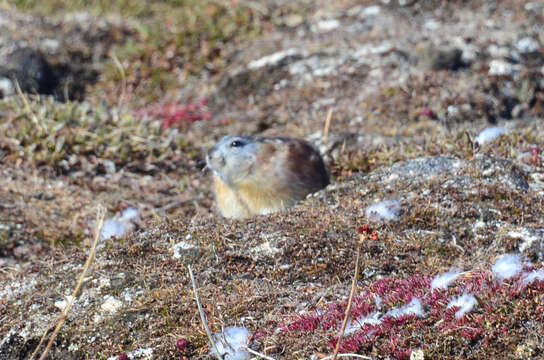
point(293, 20)
point(453, 111)
point(61, 304)
point(369, 49)
point(370, 11)
point(501, 67)
point(496, 51)
point(275, 59)
point(109, 166)
point(431, 25)
point(50, 46)
point(111, 305)
point(181, 249)
point(527, 45)
point(417, 354)
point(517, 111)
point(6, 87)
point(327, 25)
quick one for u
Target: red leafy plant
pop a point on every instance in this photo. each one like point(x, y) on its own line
point(376, 322)
point(177, 115)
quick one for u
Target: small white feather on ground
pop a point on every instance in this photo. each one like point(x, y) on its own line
point(444, 280)
point(353, 326)
point(507, 266)
point(465, 303)
point(118, 226)
point(534, 275)
point(413, 307)
point(489, 134)
point(237, 339)
point(387, 210)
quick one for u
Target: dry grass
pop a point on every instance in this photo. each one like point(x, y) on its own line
point(100, 222)
point(57, 164)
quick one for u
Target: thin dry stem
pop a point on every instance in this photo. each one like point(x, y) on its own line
point(327, 126)
point(27, 106)
point(224, 340)
point(263, 356)
point(123, 78)
point(100, 221)
point(350, 300)
point(35, 352)
point(201, 311)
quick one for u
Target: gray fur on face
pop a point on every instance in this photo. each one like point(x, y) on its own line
point(232, 157)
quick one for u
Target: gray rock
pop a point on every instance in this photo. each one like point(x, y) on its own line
point(527, 45)
point(502, 171)
point(415, 171)
point(260, 76)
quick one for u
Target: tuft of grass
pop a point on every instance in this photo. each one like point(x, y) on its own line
point(67, 135)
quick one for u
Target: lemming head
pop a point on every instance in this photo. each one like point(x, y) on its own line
point(233, 158)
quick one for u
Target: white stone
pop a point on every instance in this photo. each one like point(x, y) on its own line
point(370, 11)
point(527, 45)
point(266, 249)
point(180, 247)
point(273, 59)
point(327, 25)
point(501, 67)
point(61, 304)
point(50, 46)
point(371, 49)
point(431, 25)
point(111, 305)
point(6, 87)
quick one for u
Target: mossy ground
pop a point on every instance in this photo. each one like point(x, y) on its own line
point(61, 160)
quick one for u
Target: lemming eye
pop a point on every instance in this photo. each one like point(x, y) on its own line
point(236, 143)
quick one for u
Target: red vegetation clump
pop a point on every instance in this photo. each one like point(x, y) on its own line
point(182, 344)
point(366, 230)
point(396, 335)
point(536, 155)
point(177, 115)
point(428, 112)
